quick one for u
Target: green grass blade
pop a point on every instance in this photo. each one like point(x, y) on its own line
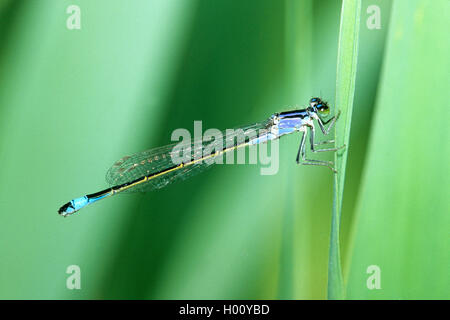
point(345, 88)
point(402, 216)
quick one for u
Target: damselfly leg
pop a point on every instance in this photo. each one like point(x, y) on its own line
point(313, 144)
point(323, 123)
point(301, 154)
point(323, 142)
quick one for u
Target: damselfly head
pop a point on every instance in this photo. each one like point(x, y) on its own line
point(319, 106)
point(323, 109)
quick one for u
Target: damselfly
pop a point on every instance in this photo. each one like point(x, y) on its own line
point(156, 168)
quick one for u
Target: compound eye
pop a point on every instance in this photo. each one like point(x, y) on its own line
point(323, 109)
point(314, 101)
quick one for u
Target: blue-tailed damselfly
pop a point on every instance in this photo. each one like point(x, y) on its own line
point(155, 168)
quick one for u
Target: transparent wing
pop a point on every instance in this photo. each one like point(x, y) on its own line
point(132, 167)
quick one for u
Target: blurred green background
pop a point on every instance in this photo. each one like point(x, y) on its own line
point(74, 101)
